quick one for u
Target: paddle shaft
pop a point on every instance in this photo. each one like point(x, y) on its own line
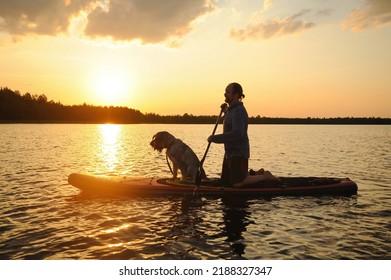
point(213, 133)
point(199, 172)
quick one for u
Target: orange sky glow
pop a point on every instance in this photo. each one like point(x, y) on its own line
point(294, 58)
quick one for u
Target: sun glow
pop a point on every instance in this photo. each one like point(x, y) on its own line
point(111, 87)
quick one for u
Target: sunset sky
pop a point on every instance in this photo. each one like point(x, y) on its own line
point(294, 58)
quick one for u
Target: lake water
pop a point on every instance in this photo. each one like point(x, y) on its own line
point(43, 217)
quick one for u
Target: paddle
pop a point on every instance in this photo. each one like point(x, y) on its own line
point(199, 172)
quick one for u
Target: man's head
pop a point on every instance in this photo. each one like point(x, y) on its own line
point(233, 93)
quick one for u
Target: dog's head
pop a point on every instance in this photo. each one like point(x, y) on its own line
point(162, 140)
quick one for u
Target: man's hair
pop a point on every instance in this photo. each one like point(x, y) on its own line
point(237, 88)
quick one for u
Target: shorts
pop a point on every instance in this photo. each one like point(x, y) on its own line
point(234, 171)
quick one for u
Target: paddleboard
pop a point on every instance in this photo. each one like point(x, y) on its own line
point(288, 186)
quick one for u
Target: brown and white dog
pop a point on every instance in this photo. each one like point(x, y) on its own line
point(181, 155)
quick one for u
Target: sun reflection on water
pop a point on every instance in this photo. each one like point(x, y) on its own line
point(110, 145)
point(116, 245)
point(116, 229)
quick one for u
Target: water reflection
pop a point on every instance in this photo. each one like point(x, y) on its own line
point(236, 219)
point(219, 225)
point(109, 145)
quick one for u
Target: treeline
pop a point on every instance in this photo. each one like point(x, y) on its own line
point(15, 108)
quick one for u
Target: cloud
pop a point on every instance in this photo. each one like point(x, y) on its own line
point(146, 20)
point(325, 12)
point(374, 13)
point(274, 28)
point(43, 17)
point(267, 4)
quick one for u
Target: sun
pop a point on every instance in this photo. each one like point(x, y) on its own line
point(111, 87)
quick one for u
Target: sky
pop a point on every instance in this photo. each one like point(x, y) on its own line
point(294, 58)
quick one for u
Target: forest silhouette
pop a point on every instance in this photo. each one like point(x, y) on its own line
point(33, 108)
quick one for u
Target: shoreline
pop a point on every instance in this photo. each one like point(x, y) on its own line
point(271, 122)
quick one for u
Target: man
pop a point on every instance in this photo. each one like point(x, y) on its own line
point(236, 142)
point(234, 137)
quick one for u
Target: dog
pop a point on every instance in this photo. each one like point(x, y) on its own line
point(181, 155)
